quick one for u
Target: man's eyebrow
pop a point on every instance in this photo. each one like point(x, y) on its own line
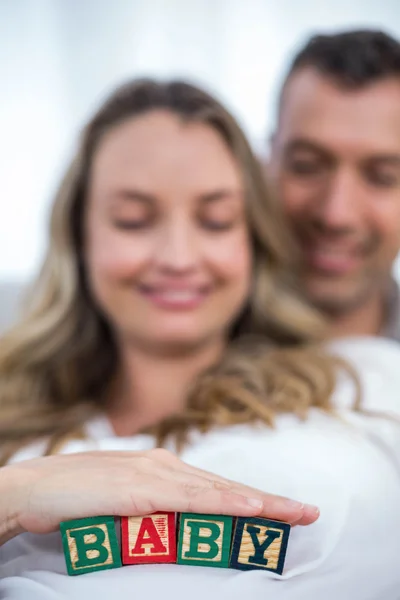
point(305, 145)
point(385, 158)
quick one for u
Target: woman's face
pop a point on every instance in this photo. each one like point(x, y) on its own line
point(166, 239)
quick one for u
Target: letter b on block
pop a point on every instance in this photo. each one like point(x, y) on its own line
point(90, 545)
point(204, 540)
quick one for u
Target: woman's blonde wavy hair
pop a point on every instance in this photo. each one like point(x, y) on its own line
point(57, 362)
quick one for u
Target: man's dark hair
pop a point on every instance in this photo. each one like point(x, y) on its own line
point(352, 58)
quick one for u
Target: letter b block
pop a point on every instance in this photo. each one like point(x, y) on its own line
point(90, 545)
point(148, 539)
point(259, 544)
point(204, 540)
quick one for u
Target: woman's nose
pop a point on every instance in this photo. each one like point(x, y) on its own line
point(177, 249)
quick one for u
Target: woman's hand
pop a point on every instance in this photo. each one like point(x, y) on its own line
point(36, 495)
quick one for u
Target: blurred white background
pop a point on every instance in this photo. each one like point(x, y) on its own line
point(58, 58)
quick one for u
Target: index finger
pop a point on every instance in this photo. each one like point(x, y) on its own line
point(274, 506)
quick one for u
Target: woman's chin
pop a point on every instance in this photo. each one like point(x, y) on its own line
point(184, 342)
point(180, 341)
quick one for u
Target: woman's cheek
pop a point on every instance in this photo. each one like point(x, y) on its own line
point(232, 256)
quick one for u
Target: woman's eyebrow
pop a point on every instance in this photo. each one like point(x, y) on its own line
point(134, 195)
point(221, 194)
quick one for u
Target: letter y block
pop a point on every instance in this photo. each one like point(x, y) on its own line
point(259, 544)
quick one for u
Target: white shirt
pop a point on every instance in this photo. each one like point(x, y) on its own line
point(349, 467)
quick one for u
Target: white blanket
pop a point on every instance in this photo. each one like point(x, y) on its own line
point(350, 468)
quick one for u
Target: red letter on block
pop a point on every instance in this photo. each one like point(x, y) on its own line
point(148, 539)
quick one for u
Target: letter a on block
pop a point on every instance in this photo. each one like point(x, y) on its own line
point(259, 544)
point(204, 540)
point(148, 539)
point(90, 545)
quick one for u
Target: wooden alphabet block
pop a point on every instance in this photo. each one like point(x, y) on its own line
point(204, 540)
point(259, 544)
point(148, 539)
point(90, 545)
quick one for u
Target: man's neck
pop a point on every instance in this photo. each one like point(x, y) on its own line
point(366, 320)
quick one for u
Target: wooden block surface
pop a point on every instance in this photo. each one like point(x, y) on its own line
point(204, 540)
point(148, 539)
point(90, 545)
point(259, 544)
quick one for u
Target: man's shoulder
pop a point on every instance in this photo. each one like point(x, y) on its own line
point(391, 328)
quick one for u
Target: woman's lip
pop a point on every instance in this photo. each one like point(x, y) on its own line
point(175, 298)
point(174, 289)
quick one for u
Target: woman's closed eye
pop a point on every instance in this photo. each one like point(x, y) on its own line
point(128, 224)
point(132, 210)
point(221, 216)
point(218, 225)
point(133, 216)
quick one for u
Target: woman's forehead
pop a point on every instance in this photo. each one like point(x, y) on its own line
point(159, 147)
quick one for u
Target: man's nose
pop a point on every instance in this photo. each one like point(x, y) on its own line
point(340, 204)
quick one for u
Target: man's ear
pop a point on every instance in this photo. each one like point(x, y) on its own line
point(272, 139)
point(268, 159)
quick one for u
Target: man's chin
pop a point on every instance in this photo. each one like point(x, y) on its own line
point(335, 300)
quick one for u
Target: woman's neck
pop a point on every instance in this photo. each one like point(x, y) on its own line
point(150, 388)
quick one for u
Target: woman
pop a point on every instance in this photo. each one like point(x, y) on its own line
point(165, 316)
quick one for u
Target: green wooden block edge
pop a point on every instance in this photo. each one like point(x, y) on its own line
point(109, 522)
point(226, 540)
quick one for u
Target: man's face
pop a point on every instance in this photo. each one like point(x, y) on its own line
point(336, 164)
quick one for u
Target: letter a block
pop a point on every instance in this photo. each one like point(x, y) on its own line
point(259, 544)
point(90, 545)
point(148, 539)
point(204, 540)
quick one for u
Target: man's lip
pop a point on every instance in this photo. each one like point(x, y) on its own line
point(332, 260)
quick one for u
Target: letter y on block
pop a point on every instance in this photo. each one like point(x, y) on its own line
point(259, 544)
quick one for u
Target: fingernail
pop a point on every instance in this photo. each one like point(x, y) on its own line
point(255, 502)
point(293, 503)
point(312, 508)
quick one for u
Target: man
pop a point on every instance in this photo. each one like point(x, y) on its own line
point(335, 159)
